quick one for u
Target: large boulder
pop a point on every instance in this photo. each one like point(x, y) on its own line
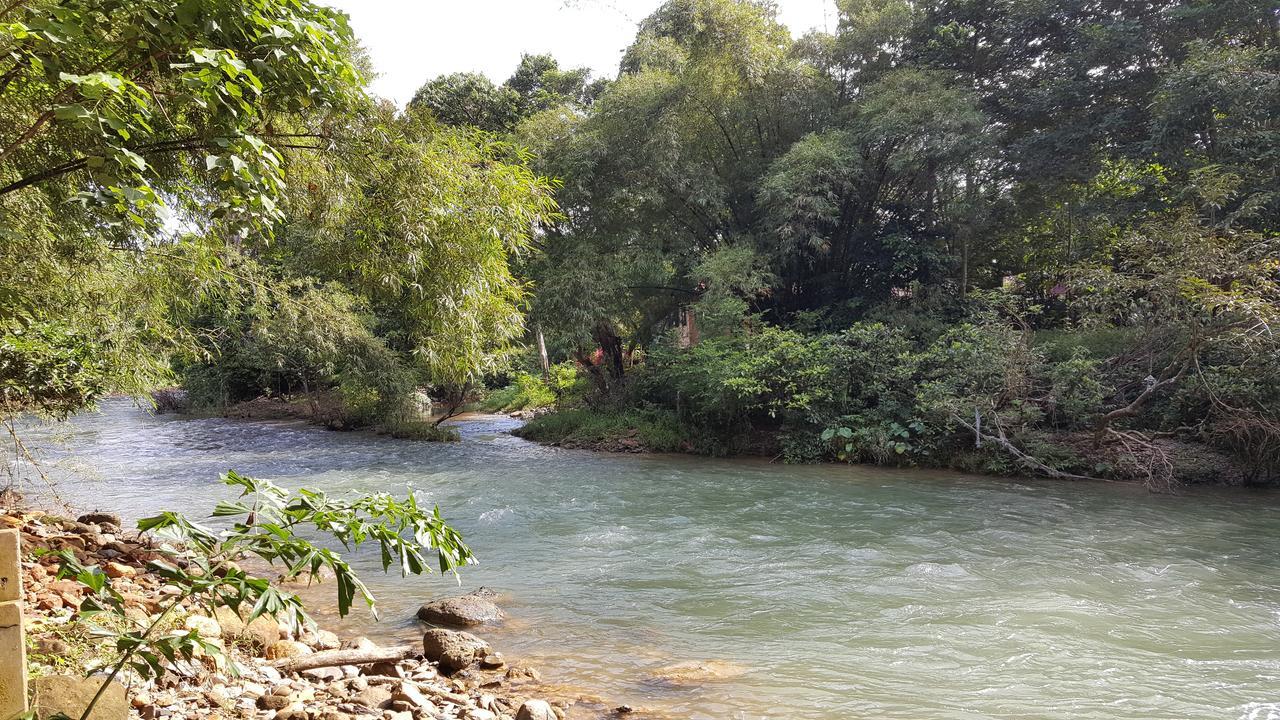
point(535, 710)
point(70, 695)
point(453, 650)
point(476, 608)
point(99, 518)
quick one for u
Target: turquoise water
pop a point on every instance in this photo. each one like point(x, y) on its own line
point(812, 592)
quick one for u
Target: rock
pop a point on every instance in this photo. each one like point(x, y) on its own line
point(115, 570)
point(252, 689)
point(275, 702)
point(535, 710)
point(383, 669)
point(50, 645)
point(463, 611)
point(695, 672)
point(322, 675)
point(263, 632)
point(453, 650)
point(374, 697)
point(322, 640)
point(208, 628)
point(70, 695)
point(218, 697)
point(523, 673)
point(99, 518)
point(360, 643)
point(409, 693)
point(293, 711)
point(281, 649)
point(492, 661)
point(480, 714)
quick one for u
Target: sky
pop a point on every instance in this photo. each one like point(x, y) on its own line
point(412, 41)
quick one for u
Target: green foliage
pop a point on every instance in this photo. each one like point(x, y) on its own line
point(266, 523)
point(654, 429)
point(304, 338)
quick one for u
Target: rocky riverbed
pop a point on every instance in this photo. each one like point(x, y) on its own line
point(268, 671)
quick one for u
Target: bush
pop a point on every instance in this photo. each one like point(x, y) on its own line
point(425, 430)
point(528, 391)
point(655, 429)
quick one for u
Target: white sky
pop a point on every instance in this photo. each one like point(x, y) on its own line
point(412, 41)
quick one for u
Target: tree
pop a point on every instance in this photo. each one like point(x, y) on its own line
point(468, 100)
point(122, 120)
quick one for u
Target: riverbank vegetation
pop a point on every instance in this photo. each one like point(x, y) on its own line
point(209, 195)
point(1010, 239)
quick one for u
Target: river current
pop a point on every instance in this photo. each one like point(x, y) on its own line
point(809, 592)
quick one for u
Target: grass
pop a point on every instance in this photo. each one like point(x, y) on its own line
point(656, 429)
point(423, 430)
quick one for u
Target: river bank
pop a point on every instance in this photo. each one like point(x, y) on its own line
point(1188, 462)
point(263, 669)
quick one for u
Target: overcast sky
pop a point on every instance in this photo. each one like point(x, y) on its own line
point(414, 40)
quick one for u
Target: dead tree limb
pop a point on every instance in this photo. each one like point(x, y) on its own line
point(354, 656)
point(1169, 376)
point(1026, 460)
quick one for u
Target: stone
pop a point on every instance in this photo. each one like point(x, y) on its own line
point(322, 640)
point(281, 649)
point(462, 611)
point(293, 711)
point(696, 672)
point(409, 693)
point(323, 675)
point(360, 643)
point(262, 632)
point(492, 661)
point(117, 570)
point(50, 645)
point(383, 669)
point(453, 650)
point(523, 673)
point(374, 697)
point(99, 518)
point(208, 628)
point(70, 695)
point(480, 714)
point(535, 710)
point(275, 702)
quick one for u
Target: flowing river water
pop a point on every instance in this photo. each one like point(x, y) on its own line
point(810, 592)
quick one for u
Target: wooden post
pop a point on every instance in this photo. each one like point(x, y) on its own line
point(13, 646)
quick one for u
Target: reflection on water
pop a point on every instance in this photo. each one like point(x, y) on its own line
point(830, 592)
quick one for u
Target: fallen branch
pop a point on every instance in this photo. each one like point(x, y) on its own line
point(354, 656)
point(1026, 460)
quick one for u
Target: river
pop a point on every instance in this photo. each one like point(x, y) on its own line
point(816, 591)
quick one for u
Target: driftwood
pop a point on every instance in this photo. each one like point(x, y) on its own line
point(354, 656)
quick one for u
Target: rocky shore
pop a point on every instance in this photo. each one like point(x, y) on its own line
point(267, 671)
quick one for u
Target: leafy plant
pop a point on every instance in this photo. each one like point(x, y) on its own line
point(268, 523)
